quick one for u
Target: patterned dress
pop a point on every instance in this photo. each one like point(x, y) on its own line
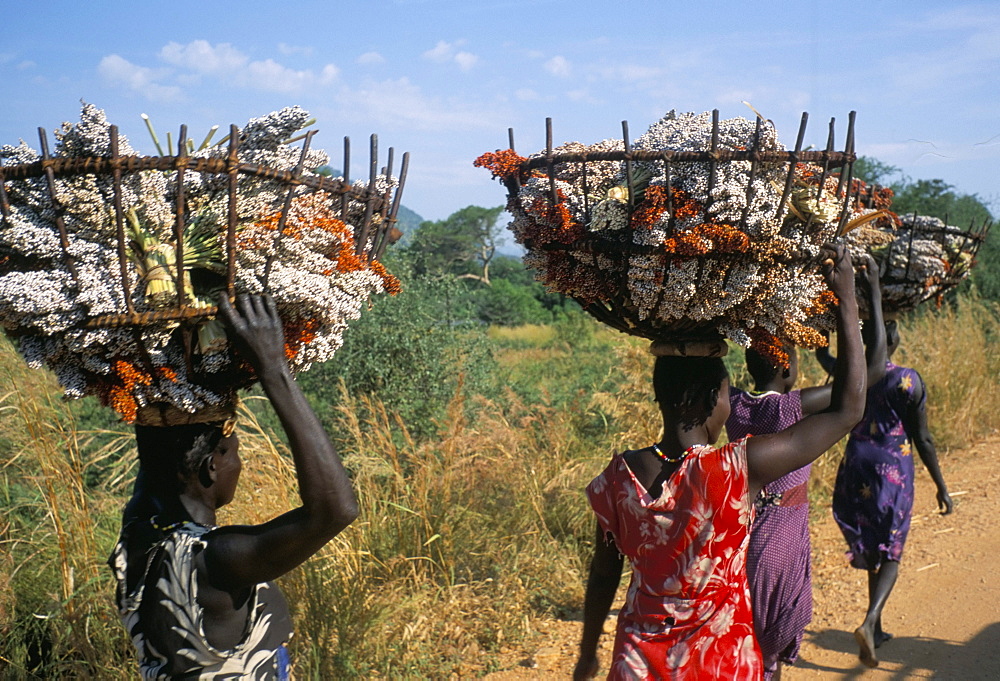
point(779, 568)
point(166, 623)
point(687, 612)
point(873, 495)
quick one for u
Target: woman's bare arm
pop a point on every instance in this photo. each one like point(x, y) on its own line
point(817, 399)
point(771, 456)
point(239, 555)
point(915, 425)
point(602, 584)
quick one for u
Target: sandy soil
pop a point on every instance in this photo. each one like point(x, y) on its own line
point(944, 611)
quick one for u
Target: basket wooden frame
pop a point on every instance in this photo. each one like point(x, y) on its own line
point(616, 312)
point(383, 206)
point(973, 238)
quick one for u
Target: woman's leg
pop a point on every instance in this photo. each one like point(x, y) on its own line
point(873, 585)
point(870, 635)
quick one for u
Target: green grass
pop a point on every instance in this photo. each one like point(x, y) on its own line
point(465, 537)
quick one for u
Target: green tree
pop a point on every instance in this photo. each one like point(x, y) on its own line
point(463, 244)
point(510, 304)
point(874, 171)
point(938, 198)
point(413, 351)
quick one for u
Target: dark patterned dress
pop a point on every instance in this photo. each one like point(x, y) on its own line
point(687, 611)
point(779, 568)
point(166, 624)
point(873, 495)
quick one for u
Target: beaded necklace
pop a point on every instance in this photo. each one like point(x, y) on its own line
point(669, 459)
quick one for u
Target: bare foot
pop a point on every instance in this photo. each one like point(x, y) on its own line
point(881, 637)
point(866, 643)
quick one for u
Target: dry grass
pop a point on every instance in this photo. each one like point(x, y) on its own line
point(59, 617)
point(463, 540)
point(954, 349)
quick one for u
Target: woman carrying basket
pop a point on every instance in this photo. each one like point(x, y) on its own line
point(873, 494)
point(198, 600)
point(680, 511)
point(778, 559)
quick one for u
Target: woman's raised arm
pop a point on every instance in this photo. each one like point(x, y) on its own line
point(241, 555)
point(771, 456)
point(817, 399)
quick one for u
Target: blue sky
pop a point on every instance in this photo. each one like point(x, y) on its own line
point(444, 79)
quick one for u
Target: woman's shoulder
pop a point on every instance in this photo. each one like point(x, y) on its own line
point(905, 380)
point(606, 478)
point(733, 455)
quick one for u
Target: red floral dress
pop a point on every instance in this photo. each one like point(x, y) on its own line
point(687, 612)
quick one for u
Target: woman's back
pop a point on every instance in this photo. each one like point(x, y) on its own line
point(687, 550)
point(164, 615)
point(887, 403)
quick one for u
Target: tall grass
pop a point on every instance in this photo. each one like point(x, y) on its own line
point(465, 538)
point(58, 620)
point(955, 350)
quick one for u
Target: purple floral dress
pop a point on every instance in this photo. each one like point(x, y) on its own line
point(873, 495)
point(779, 567)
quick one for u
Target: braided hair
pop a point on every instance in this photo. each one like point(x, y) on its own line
point(689, 385)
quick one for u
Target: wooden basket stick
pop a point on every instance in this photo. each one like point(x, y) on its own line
point(116, 180)
point(179, 216)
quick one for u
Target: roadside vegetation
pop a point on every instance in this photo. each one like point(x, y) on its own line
point(471, 410)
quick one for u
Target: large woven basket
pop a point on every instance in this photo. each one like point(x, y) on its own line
point(570, 174)
point(139, 376)
point(377, 226)
point(926, 259)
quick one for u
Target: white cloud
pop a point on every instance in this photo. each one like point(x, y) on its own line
point(191, 64)
point(273, 77)
point(466, 60)
point(119, 71)
point(444, 53)
point(526, 94)
point(440, 53)
point(287, 49)
point(25, 65)
point(633, 73)
point(558, 66)
point(202, 57)
point(370, 59)
point(400, 103)
point(329, 74)
point(270, 76)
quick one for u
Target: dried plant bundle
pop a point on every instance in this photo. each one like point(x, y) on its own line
point(111, 262)
point(700, 229)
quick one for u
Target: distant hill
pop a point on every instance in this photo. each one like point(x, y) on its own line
point(407, 221)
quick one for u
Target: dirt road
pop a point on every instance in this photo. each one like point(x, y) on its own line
point(944, 611)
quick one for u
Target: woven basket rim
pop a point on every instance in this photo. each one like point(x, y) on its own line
point(162, 414)
point(73, 166)
point(832, 159)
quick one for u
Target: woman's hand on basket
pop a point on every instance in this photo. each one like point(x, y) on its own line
point(255, 329)
point(838, 271)
point(869, 271)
